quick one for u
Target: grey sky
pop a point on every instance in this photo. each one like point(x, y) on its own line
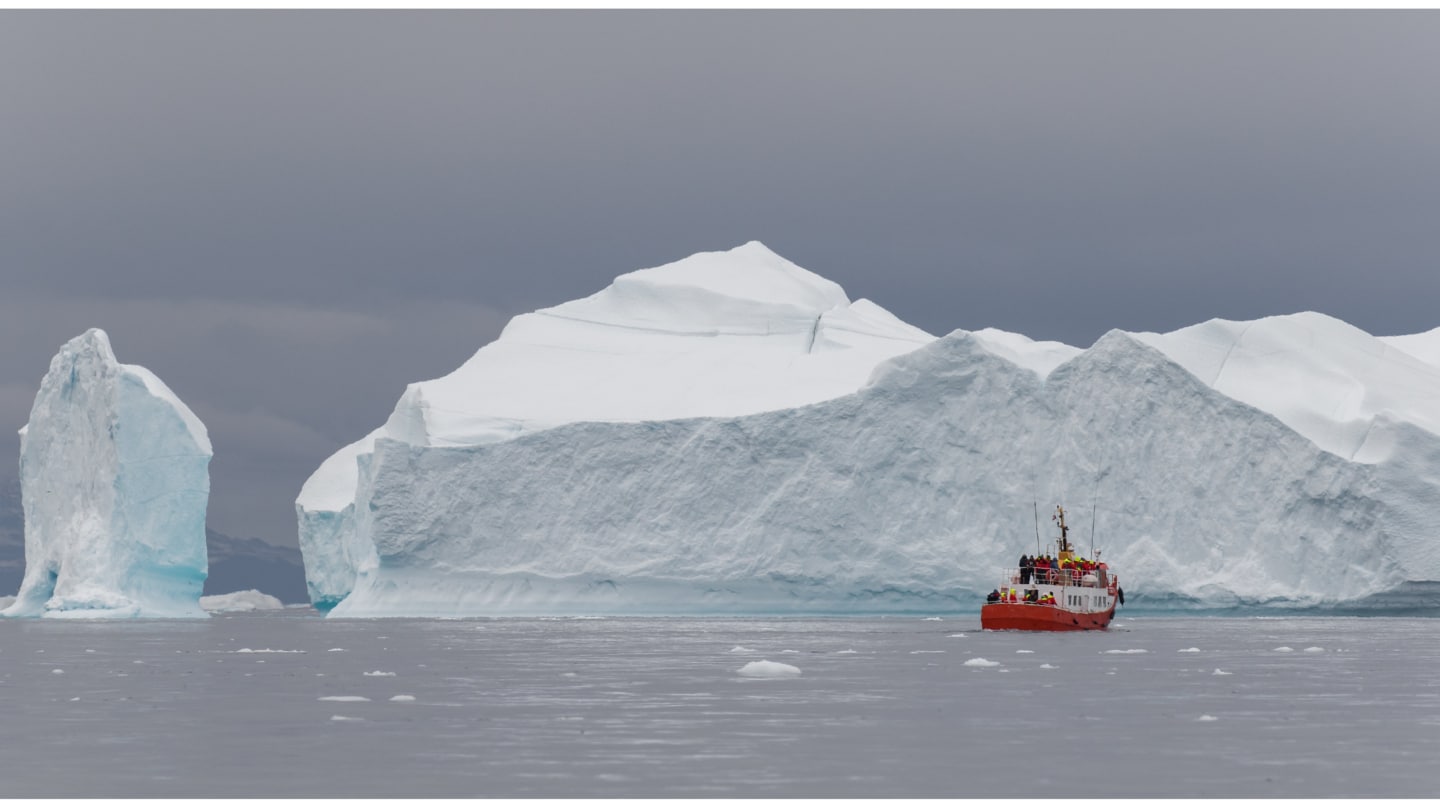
point(289, 215)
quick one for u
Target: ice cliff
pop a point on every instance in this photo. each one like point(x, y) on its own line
point(114, 485)
point(729, 433)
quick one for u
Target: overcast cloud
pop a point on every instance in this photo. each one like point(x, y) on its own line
point(290, 215)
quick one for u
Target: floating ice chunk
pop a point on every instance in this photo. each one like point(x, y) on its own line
point(402, 697)
point(1127, 651)
point(89, 650)
point(953, 636)
point(1207, 718)
point(981, 662)
point(927, 652)
point(261, 651)
point(767, 669)
point(333, 650)
point(1314, 649)
point(77, 698)
point(740, 649)
point(343, 698)
point(58, 670)
point(848, 651)
point(1023, 651)
point(1219, 672)
point(789, 651)
point(1047, 666)
point(935, 619)
point(379, 673)
point(1188, 651)
point(344, 718)
point(1284, 649)
point(248, 600)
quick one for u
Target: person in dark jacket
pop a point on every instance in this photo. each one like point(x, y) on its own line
point(1026, 565)
point(993, 597)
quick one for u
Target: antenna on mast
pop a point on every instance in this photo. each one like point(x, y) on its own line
point(1036, 505)
point(1092, 529)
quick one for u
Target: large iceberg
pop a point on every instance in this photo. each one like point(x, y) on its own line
point(114, 475)
point(730, 434)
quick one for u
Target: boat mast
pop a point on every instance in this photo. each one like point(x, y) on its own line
point(1067, 553)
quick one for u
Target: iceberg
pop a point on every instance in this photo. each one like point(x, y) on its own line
point(249, 600)
point(730, 434)
point(114, 475)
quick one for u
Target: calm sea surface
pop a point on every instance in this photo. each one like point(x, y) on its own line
point(289, 704)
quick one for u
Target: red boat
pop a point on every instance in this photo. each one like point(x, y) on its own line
point(1063, 593)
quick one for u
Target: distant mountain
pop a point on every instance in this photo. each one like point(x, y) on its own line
point(240, 564)
point(235, 564)
point(12, 538)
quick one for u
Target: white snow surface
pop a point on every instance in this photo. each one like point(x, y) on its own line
point(248, 600)
point(1424, 346)
point(765, 669)
point(729, 434)
point(114, 473)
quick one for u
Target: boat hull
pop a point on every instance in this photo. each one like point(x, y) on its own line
point(1036, 617)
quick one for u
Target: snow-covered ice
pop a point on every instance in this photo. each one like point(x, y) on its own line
point(402, 697)
point(379, 673)
point(114, 477)
point(245, 601)
point(980, 662)
point(1188, 651)
point(730, 434)
point(1127, 651)
point(343, 698)
point(764, 668)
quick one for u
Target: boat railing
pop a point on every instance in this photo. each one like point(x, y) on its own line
point(1096, 579)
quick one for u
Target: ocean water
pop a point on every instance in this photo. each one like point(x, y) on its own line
point(283, 704)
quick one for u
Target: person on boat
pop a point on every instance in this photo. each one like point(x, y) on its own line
point(1032, 596)
point(1025, 569)
point(993, 597)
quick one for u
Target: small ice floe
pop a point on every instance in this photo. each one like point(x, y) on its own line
point(1188, 651)
point(247, 601)
point(77, 698)
point(345, 718)
point(1127, 651)
point(58, 670)
point(402, 697)
point(1219, 672)
point(789, 651)
point(89, 650)
point(569, 674)
point(935, 619)
point(379, 673)
point(952, 636)
point(981, 662)
point(927, 652)
point(1314, 649)
point(740, 649)
point(264, 651)
point(1047, 666)
point(1284, 649)
point(1207, 718)
point(765, 669)
point(343, 698)
point(1023, 651)
point(848, 651)
point(333, 650)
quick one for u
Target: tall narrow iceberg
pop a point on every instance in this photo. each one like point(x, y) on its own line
point(114, 475)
